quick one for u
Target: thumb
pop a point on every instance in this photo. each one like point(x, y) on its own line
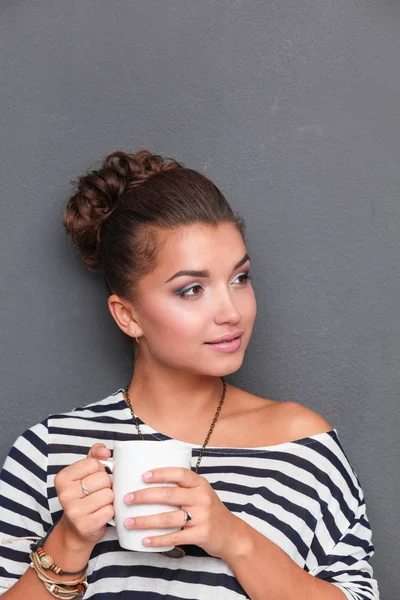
point(99, 451)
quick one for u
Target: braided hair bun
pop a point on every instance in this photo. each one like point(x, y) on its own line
point(99, 193)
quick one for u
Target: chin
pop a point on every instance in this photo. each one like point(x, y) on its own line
point(221, 368)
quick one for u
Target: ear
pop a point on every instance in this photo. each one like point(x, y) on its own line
point(124, 315)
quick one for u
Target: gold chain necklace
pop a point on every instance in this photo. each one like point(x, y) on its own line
point(128, 401)
point(179, 552)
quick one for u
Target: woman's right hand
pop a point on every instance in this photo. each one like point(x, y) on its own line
point(85, 517)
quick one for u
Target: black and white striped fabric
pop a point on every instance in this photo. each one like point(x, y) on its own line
point(303, 495)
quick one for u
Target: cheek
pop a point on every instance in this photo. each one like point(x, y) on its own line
point(173, 321)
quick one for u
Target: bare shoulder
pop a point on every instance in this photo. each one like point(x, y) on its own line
point(272, 422)
point(299, 421)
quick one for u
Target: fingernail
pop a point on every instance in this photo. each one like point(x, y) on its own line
point(146, 541)
point(128, 498)
point(147, 475)
point(129, 522)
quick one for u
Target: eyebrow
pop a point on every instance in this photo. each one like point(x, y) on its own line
point(241, 262)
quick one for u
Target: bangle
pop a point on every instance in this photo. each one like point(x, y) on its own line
point(47, 562)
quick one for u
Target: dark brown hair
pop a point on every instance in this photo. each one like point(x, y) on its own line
point(115, 213)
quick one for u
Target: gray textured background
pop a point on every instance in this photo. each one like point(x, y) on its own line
point(292, 109)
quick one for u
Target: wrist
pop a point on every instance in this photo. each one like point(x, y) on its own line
point(67, 551)
point(244, 542)
point(70, 541)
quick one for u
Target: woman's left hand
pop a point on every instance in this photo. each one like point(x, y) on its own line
point(212, 526)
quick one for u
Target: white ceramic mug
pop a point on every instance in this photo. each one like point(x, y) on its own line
point(130, 460)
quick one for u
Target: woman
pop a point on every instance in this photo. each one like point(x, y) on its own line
point(274, 510)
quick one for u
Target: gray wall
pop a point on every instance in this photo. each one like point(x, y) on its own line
point(292, 108)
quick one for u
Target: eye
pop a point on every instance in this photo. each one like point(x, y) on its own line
point(185, 292)
point(246, 277)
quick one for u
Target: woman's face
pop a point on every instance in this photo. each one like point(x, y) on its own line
point(180, 313)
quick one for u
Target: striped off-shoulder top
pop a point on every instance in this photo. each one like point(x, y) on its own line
point(304, 495)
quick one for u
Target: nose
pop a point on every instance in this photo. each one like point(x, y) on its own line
point(226, 310)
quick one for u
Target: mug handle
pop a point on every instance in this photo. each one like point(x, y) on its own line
point(110, 464)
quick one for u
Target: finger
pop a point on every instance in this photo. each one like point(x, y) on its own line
point(99, 451)
point(96, 521)
point(178, 538)
point(81, 468)
point(172, 495)
point(168, 520)
point(104, 514)
point(93, 483)
point(180, 475)
point(97, 500)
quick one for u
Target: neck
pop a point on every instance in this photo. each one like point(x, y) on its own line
point(173, 402)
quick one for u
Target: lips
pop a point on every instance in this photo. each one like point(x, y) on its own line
point(226, 339)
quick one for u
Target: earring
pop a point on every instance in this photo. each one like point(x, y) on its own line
point(137, 340)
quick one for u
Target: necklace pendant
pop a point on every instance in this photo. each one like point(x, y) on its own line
point(176, 552)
